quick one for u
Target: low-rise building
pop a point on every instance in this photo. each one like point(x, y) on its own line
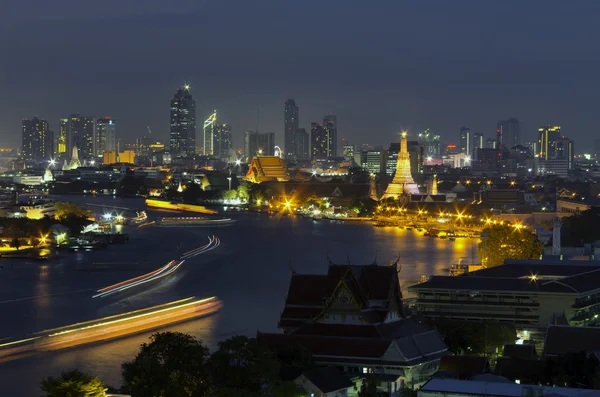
point(325, 382)
point(528, 294)
point(267, 169)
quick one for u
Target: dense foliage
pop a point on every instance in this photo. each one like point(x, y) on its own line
point(501, 242)
point(581, 228)
point(73, 384)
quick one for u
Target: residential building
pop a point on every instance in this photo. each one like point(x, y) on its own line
point(291, 120)
point(348, 151)
point(105, 139)
point(301, 144)
point(508, 133)
point(466, 141)
point(182, 141)
point(321, 142)
point(81, 132)
point(222, 145)
point(37, 140)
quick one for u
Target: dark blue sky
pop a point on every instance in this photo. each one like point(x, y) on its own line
point(380, 66)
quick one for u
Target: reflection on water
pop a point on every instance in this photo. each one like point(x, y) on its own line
point(249, 272)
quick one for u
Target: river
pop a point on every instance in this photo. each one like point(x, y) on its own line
point(249, 272)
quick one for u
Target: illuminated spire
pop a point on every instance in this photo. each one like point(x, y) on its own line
point(434, 189)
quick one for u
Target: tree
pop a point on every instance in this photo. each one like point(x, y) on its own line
point(230, 194)
point(582, 228)
point(64, 210)
point(501, 242)
point(173, 364)
point(474, 337)
point(243, 191)
point(73, 384)
point(15, 243)
point(368, 388)
point(241, 366)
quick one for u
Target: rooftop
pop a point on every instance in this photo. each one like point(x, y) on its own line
point(563, 339)
point(328, 379)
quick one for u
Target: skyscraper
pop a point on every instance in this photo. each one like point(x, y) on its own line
point(222, 141)
point(291, 123)
point(478, 142)
point(430, 143)
point(182, 141)
point(37, 139)
point(80, 133)
point(508, 133)
point(256, 144)
point(62, 138)
point(466, 141)
point(105, 139)
point(547, 135)
point(331, 127)
point(208, 135)
point(321, 142)
point(301, 144)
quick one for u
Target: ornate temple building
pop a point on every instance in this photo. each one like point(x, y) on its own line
point(403, 182)
point(267, 169)
point(353, 318)
point(74, 163)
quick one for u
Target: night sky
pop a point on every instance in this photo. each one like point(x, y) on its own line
point(381, 66)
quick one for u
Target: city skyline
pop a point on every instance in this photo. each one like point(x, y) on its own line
point(435, 89)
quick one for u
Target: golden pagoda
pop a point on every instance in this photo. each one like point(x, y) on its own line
point(403, 182)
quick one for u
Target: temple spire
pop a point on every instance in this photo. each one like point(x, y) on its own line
point(403, 182)
point(434, 189)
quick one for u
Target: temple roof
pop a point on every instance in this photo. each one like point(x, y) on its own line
point(267, 168)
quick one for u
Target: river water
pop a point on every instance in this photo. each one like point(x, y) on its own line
point(249, 272)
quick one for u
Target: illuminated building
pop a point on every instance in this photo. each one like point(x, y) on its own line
point(331, 129)
point(105, 139)
point(74, 163)
point(353, 318)
point(451, 149)
point(547, 134)
point(127, 156)
point(348, 151)
point(291, 119)
point(430, 143)
point(478, 142)
point(301, 144)
point(320, 142)
point(208, 131)
point(80, 133)
point(491, 143)
point(403, 182)
point(466, 141)
point(110, 157)
point(37, 139)
point(508, 133)
point(182, 140)
point(62, 138)
point(222, 141)
point(256, 143)
point(416, 152)
point(375, 161)
point(267, 169)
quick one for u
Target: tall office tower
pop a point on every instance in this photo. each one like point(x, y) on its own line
point(222, 141)
point(291, 122)
point(331, 127)
point(508, 133)
point(430, 143)
point(466, 141)
point(301, 144)
point(182, 140)
point(62, 138)
point(37, 139)
point(478, 142)
point(256, 144)
point(564, 150)
point(80, 133)
point(533, 148)
point(105, 140)
point(208, 134)
point(547, 135)
point(321, 142)
point(491, 143)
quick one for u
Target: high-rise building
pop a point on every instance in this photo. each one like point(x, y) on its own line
point(62, 139)
point(466, 141)
point(208, 134)
point(301, 144)
point(80, 133)
point(547, 135)
point(331, 127)
point(508, 133)
point(37, 139)
point(105, 139)
point(376, 161)
point(348, 151)
point(478, 141)
point(222, 141)
point(320, 143)
point(182, 140)
point(564, 150)
point(491, 143)
point(430, 143)
point(257, 144)
point(291, 125)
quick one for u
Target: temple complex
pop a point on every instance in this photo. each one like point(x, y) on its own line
point(353, 318)
point(403, 182)
point(267, 169)
point(74, 163)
